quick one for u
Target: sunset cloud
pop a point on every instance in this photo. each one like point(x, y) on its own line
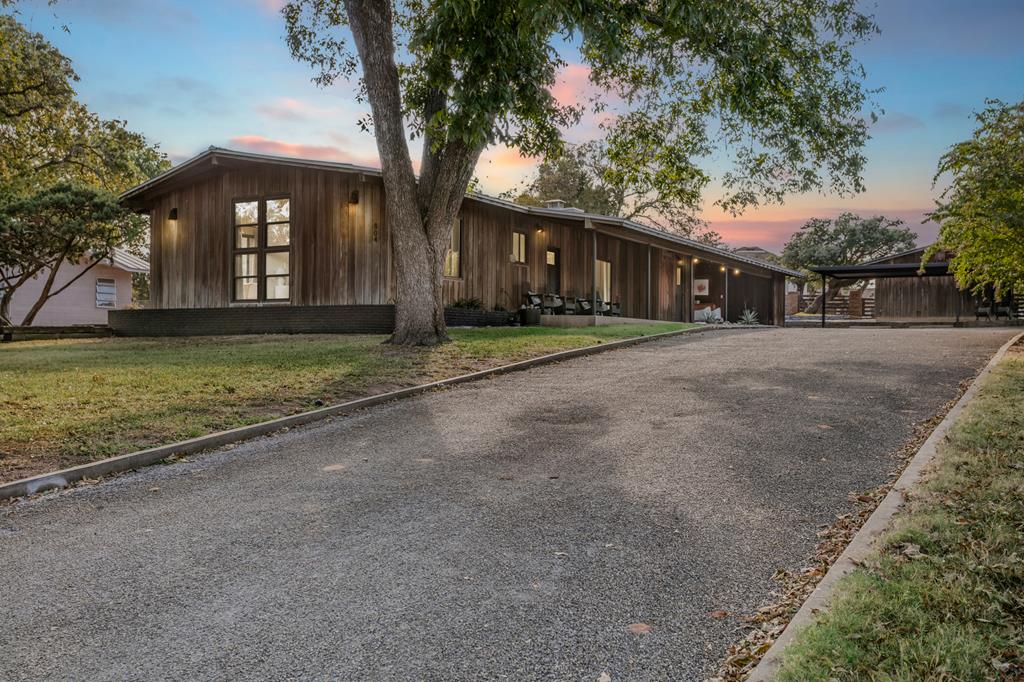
point(572, 84)
point(264, 145)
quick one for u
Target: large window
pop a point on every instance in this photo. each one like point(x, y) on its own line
point(106, 293)
point(604, 280)
point(262, 242)
point(518, 247)
point(453, 257)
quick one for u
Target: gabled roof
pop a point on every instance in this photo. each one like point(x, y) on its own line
point(212, 154)
point(120, 258)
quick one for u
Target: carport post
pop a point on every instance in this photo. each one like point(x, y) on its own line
point(824, 297)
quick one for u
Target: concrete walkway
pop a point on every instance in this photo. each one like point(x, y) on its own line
point(510, 529)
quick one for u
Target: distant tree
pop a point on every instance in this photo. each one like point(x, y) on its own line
point(981, 213)
point(63, 223)
point(585, 178)
point(775, 82)
point(846, 240)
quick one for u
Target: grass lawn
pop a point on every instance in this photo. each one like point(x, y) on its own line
point(943, 598)
point(68, 402)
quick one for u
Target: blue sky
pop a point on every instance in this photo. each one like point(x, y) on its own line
point(193, 73)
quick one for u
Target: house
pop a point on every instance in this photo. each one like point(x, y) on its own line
point(94, 292)
point(250, 243)
point(906, 290)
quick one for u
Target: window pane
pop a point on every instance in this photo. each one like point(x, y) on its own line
point(246, 236)
point(277, 263)
point(245, 289)
point(245, 265)
point(277, 210)
point(246, 213)
point(278, 234)
point(604, 280)
point(551, 256)
point(106, 293)
point(277, 287)
point(519, 247)
point(452, 259)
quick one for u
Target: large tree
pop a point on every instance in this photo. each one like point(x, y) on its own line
point(588, 178)
point(61, 167)
point(774, 81)
point(846, 240)
point(981, 213)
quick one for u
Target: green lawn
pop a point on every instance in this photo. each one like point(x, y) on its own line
point(68, 402)
point(943, 599)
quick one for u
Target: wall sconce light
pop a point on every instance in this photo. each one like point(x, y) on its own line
point(696, 260)
point(736, 271)
point(680, 262)
point(353, 198)
point(540, 230)
point(173, 215)
point(721, 268)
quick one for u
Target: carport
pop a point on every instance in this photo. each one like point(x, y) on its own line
point(878, 271)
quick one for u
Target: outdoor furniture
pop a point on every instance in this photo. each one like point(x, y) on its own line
point(583, 307)
point(533, 299)
point(529, 316)
point(569, 305)
point(1003, 311)
point(602, 307)
point(615, 310)
point(985, 311)
point(552, 304)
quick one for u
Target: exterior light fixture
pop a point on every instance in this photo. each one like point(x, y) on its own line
point(721, 268)
point(353, 198)
point(736, 271)
point(540, 230)
point(173, 215)
point(696, 260)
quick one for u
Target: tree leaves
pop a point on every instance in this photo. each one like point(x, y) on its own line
point(981, 213)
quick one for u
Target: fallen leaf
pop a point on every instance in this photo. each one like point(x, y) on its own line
point(824, 426)
point(719, 615)
point(604, 677)
point(154, 489)
point(912, 551)
point(639, 628)
point(331, 468)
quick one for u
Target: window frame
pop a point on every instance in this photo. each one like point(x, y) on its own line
point(445, 270)
point(260, 250)
point(113, 301)
point(526, 248)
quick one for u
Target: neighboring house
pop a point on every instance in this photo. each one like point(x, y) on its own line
point(106, 286)
point(756, 253)
point(257, 243)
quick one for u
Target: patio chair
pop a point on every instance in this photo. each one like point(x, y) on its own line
point(533, 299)
point(602, 307)
point(983, 311)
point(615, 310)
point(583, 307)
point(552, 304)
point(569, 305)
point(1003, 311)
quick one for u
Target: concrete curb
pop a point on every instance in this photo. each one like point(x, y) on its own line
point(141, 458)
point(878, 523)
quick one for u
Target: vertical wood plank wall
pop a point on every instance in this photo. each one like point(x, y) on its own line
point(341, 252)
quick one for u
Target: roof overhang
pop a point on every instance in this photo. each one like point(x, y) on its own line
point(882, 270)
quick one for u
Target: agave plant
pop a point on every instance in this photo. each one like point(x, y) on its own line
point(748, 316)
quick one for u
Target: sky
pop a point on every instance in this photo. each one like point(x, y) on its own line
point(194, 73)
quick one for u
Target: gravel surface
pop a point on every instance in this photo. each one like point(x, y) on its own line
point(514, 528)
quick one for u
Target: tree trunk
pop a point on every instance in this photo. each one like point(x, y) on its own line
point(420, 215)
point(44, 295)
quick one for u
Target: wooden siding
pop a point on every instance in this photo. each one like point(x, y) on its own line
point(341, 252)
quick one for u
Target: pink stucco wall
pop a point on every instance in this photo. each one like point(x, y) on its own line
point(77, 303)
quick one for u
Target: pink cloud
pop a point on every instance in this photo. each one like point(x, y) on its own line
point(273, 6)
point(264, 145)
point(773, 234)
point(572, 84)
point(286, 109)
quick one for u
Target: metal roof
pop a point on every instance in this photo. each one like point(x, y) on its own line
point(562, 213)
point(120, 258)
point(882, 270)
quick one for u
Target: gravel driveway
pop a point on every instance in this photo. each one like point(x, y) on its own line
point(514, 528)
